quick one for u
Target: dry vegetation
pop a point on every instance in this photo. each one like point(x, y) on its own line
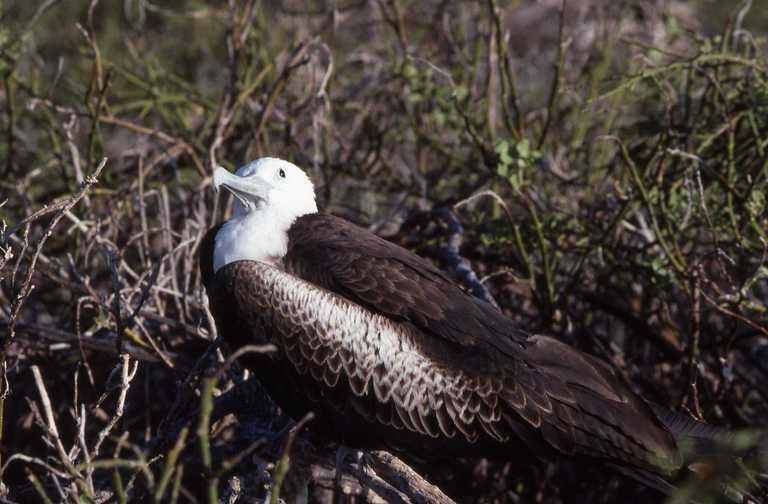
point(607, 162)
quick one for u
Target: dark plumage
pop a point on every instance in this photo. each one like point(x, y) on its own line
point(390, 353)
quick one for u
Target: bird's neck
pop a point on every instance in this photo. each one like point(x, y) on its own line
point(255, 236)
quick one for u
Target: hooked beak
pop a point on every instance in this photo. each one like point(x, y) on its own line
point(250, 191)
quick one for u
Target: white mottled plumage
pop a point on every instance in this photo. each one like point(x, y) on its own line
point(270, 194)
point(383, 356)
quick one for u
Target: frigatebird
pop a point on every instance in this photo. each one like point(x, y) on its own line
point(389, 352)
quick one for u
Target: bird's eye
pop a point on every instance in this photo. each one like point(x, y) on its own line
point(282, 173)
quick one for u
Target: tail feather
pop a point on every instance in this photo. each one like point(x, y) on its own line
point(699, 441)
point(647, 478)
point(696, 439)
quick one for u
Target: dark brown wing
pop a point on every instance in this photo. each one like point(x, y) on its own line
point(388, 279)
point(574, 401)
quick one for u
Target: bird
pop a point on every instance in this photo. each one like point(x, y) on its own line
point(390, 353)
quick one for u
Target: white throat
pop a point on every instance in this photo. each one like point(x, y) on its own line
point(255, 236)
point(249, 237)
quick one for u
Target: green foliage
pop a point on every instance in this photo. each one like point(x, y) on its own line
point(515, 161)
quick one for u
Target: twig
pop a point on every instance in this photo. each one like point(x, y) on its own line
point(203, 438)
point(284, 462)
point(693, 346)
point(297, 59)
point(405, 479)
point(27, 285)
point(177, 146)
point(245, 349)
point(553, 92)
point(38, 486)
point(513, 119)
point(53, 434)
point(170, 464)
point(126, 376)
point(105, 344)
point(112, 261)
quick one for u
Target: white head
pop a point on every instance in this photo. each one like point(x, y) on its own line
point(270, 194)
